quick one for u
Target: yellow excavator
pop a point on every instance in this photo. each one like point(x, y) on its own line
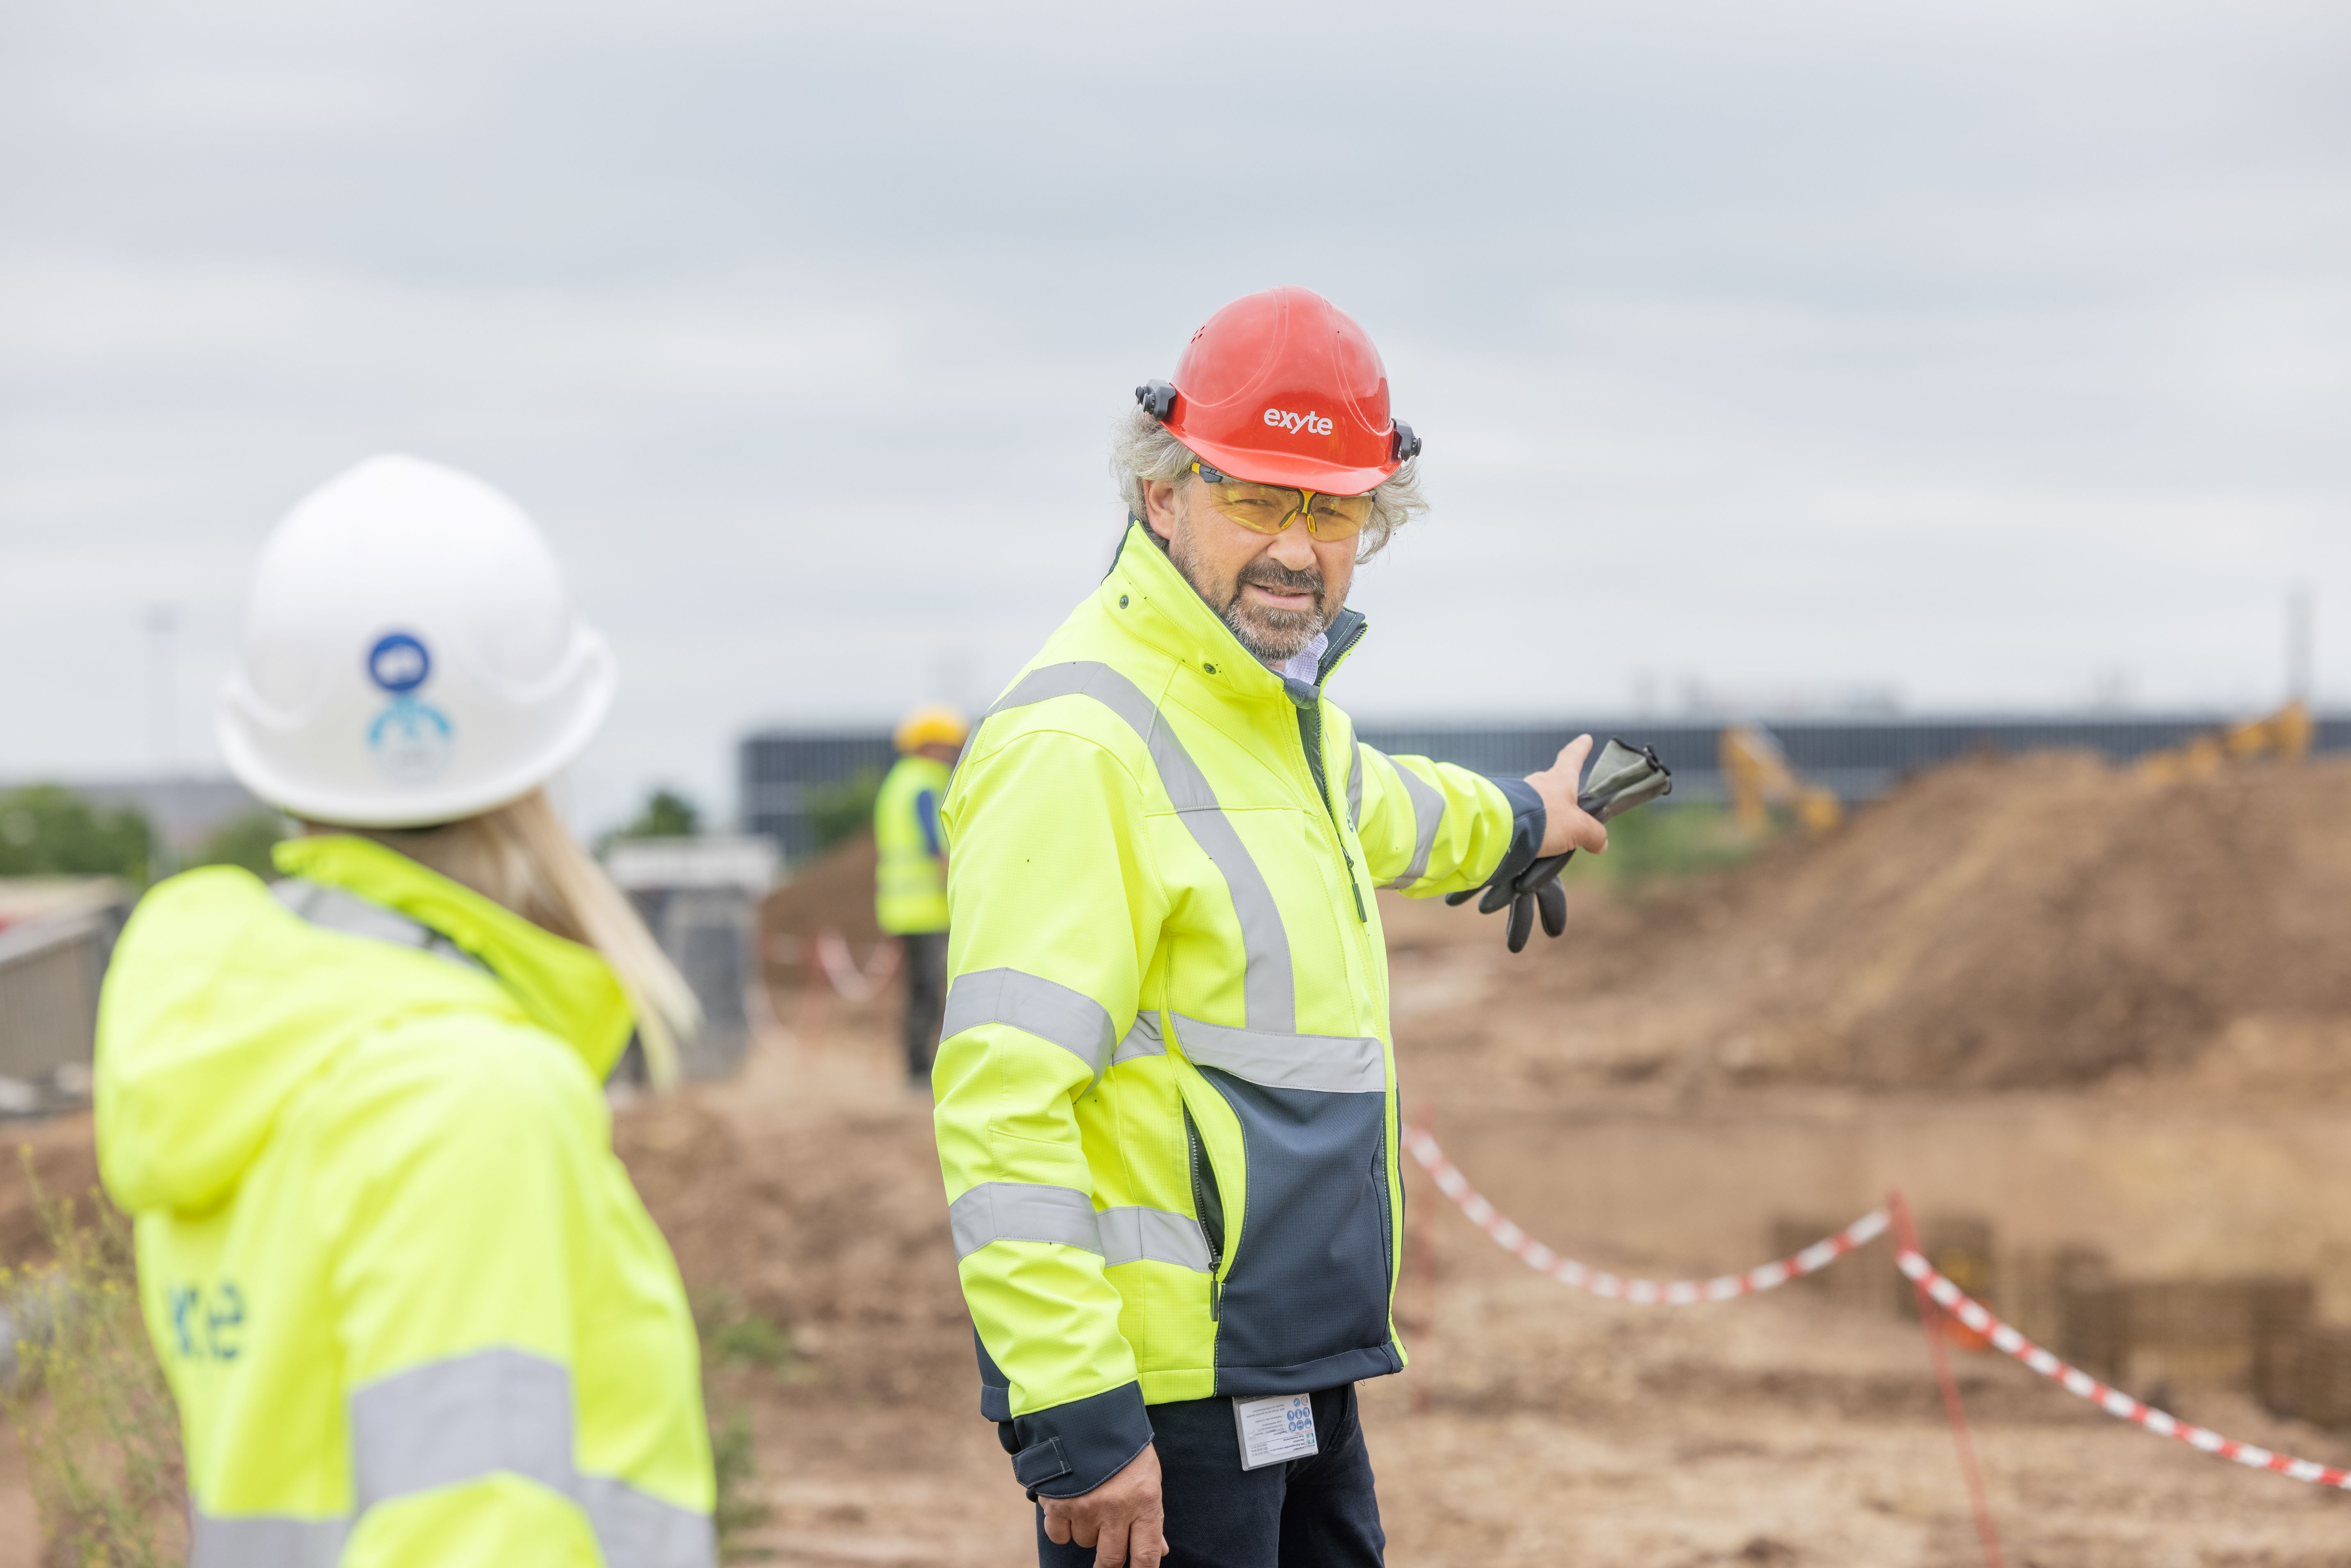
point(1756, 772)
point(2284, 734)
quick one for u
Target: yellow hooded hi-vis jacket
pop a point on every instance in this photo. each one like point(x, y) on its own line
point(1166, 1095)
point(409, 1303)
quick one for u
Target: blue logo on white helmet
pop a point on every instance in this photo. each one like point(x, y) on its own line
point(411, 740)
point(399, 662)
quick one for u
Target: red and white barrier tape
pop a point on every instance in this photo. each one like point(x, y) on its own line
point(850, 983)
point(2113, 1401)
point(1510, 1238)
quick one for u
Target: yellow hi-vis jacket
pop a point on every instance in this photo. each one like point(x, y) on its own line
point(1167, 1096)
point(910, 878)
point(409, 1303)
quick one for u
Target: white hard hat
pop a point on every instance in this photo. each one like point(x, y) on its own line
point(410, 655)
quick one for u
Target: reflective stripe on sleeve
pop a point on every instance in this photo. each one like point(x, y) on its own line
point(1267, 988)
point(262, 1541)
point(1046, 1008)
point(459, 1420)
point(1022, 1211)
point(638, 1530)
point(1428, 816)
point(1334, 1064)
point(1143, 1039)
point(1356, 787)
point(1132, 1235)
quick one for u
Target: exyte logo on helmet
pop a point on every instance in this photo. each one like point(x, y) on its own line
point(1309, 421)
point(411, 738)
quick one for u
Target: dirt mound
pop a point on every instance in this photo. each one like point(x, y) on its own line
point(1998, 923)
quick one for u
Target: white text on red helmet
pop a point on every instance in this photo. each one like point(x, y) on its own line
point(1309, 421)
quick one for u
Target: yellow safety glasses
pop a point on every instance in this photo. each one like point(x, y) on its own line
point(1269, 509)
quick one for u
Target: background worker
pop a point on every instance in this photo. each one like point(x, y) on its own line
point(408, 1301)
point(910, 877)
point(1166, 1097)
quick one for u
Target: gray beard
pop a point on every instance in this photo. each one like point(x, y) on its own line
point(1271, 636)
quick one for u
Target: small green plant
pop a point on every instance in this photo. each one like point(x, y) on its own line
point(736, 1340)
point(666, 815)
point(86, 1394)
point(737, 1511)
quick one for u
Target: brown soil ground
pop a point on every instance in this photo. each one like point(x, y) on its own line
point(2084, 1008)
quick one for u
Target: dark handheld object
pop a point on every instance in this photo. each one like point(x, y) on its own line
point(1623, 778)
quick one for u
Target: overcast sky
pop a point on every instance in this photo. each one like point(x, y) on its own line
point(1989, 354)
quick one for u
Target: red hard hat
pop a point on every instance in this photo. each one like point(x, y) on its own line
point(1283, 387)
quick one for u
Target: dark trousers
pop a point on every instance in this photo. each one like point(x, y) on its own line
point(925, 957)
point(1315, 1512)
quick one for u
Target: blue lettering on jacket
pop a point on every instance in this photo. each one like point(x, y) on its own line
point(219, 1311)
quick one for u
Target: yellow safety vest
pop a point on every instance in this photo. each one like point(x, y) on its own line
point(1167, 1096)
point(910, 879)
point(408, 1301)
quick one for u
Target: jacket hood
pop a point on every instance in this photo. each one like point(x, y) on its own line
point(221, 1005)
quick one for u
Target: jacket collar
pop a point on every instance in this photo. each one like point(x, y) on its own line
point(1153, 601)
point(562, 986)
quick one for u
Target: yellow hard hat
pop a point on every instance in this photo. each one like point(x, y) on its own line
point(936, 725)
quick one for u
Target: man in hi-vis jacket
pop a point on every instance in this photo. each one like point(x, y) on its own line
point(1166, 1093)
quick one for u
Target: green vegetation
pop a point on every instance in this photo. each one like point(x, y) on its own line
point(46, 830)
point(666, 815)
point(101, 1438)
point(736, 1340)
point(1664, 841)
point(243, 841)
point(840, 811)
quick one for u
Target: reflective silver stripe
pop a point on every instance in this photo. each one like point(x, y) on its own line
point(1355, 787)
point(1021, 1211)
point(1046, 1008)
point(458, 1420)
point(1336, 1063)
point(466, 1419)
point(637, 1529)
point(1141, 1041)
point(333, 909)
point(261, 1541)
point(1267, 988)
point(1131, 1235)
point(1428, 814)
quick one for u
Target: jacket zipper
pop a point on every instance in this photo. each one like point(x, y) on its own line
point(1309, 737)
point(1208, 1204)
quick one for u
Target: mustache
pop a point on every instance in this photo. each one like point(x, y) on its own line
point(1264, 573)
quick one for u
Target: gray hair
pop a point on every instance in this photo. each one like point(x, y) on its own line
point(1143, 450)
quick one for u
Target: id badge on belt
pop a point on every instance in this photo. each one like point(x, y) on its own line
point(1275, 1429)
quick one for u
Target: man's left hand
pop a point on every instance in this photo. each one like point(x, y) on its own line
point(1566, 826)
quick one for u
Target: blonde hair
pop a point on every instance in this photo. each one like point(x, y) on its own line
point(522, 856)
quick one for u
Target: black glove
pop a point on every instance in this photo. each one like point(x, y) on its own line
point(1623, 777)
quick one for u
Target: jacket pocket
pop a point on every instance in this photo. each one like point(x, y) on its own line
point(1306, 1289)
point(1208, 1204)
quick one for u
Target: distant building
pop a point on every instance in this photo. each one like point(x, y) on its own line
point(701, 899)
point(783, 772)
point(57, 934)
